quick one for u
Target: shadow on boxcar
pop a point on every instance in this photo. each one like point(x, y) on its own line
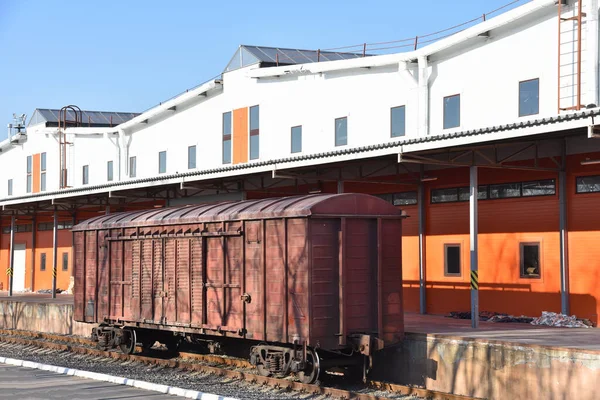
point(405, 363)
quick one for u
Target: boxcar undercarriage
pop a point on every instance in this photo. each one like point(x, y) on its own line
point(270, 359)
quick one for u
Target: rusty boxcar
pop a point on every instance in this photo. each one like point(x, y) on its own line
point(310, 282)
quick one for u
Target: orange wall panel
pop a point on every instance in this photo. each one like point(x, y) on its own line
point(240, 135)
point(36, 173)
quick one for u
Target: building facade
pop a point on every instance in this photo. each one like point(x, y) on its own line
point(506, 107)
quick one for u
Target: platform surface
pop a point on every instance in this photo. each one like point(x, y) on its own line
point(517, 333)
point(37, 298)
point(27, 383)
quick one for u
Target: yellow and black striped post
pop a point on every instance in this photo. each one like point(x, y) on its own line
point(11, 264)
point(474, 280)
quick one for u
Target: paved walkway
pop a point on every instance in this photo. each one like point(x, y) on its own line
point(27, 383)
point(37, 298)
point(520, 333)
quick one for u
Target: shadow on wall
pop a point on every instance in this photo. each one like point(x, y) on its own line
point(516, 299)
point(41, 317)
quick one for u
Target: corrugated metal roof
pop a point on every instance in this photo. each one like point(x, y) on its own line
point(89, 118)
point(352, 150)
point(283, 207)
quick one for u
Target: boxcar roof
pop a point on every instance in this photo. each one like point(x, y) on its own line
point(282, 207)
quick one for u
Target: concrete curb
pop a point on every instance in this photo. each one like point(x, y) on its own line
point(190, 394)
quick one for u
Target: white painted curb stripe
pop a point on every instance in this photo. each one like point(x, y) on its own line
point(190, 394)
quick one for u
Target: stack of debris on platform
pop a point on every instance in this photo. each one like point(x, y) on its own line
point(549, 318)
point(49, 291)
point(491, 316)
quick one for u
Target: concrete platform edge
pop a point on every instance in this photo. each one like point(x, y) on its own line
point(176, 391)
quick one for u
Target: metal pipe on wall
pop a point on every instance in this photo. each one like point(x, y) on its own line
point(422, 275)
point(562, 214)
point(423, 127)
point(33, 247)
point(11, 264)
point(54, 252)
point(473, 232)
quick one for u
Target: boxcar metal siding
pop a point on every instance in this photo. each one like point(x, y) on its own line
point(197, 280)
point(275, 282)
point(391, 281)
point(255, 311)
point(183, 280)
point(80, 284)
point(90, 276)
point(297, 280)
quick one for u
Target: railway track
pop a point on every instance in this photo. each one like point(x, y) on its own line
point(225, 367)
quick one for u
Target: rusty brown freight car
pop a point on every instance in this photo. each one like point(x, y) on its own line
point(310, 282)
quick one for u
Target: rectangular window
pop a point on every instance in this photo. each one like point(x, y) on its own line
point(450, 195)
point(254, 133)
point(43, 262)
point(404, 198)
point(297, 139)
point(162, 162)
point(10, 187)
point(587, 184)
point(505, 190)
point(109, 171)
point(227, 137)
point(43, 162)
point(529, 97)
point(530, 260)
point(191, 157)
point(341, 131)
point(132, 166)
point(398, 124)
point(452, 111)
point(43, 172)
point(452, 259)
point(29, 176)
point(539, 188)
point(85, 175)
point(65, 261)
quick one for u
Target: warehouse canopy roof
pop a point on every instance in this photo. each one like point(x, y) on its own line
point(295, 206)
point(95, 119)
point(271, 56)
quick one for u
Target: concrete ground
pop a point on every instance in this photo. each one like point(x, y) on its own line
point(27, 383)
point(587, 339)
point(37, 298)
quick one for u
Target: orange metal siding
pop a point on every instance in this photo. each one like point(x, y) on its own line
point(240, 135)
point(36, 173)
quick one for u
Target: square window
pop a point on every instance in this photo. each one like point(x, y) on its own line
point(43, 262)
point(296, 139)
point(452, 111)
point(398, 123)
point(530, 260)
point(191, 157)
point(85, 175)
point(588, 184)
point(162, 162)
point(341, 131)
point(109, 171)
point(132, 167)
point(65, 261)
point(529, 97)
point(452, 260)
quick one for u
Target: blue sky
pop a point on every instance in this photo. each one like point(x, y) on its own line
point(129, 55)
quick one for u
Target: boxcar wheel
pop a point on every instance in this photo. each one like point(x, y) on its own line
point(312, 370)
point(128, 347)
point(263, 370)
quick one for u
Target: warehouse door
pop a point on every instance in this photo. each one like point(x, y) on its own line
point(19, 267)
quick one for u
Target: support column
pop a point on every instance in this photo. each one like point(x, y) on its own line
point(11, 264)
point(564, 261)
point(340, 186)
point(473, 232)
point(33, 247)
point(54, 252)
point(422, 276)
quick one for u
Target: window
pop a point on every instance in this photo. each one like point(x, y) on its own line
point(43, 262)
point(398, 124)
point(191, 157)
point(85, 175)
point(109, 171)
point(132, 167)
point(505, 190)
point(545, 187)
point(297, 139)
point(587, 184)
point(10, 187)
point(162, 162)
point(452, 259)
point(254, 133)
point(43, 172)
point(227, 137)
point(65, 261)
point(539, 188)
point(341, 131)
point(452, 111)
point(29, 169)
point(400, 199)
point(530, 260)
point(529, 97)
